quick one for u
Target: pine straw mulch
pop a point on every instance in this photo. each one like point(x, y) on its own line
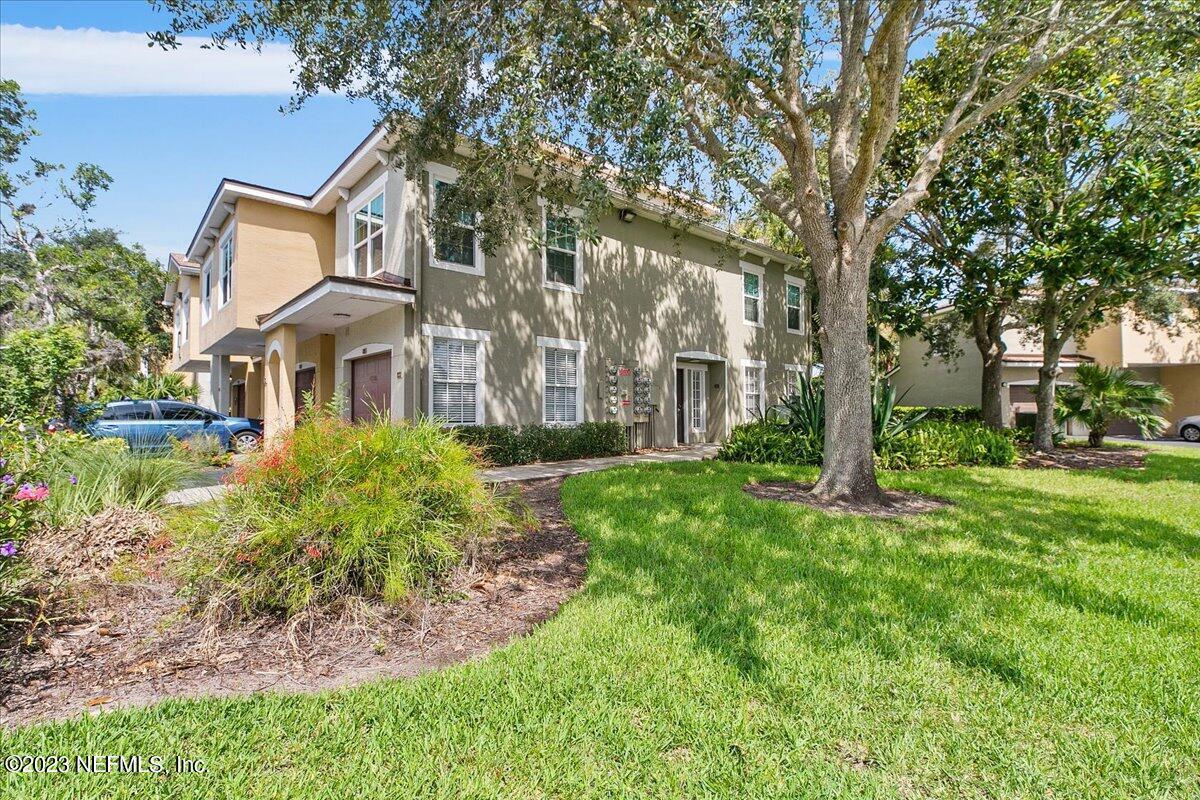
point(1076, 456)
point(900, 503)
point(134, 643)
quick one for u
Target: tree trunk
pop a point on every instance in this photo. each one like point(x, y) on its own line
point(848, 468)
point(1096, 435)
point(1043, 429)
point(988, 330)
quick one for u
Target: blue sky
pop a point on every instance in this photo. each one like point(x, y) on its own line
point(166, 126)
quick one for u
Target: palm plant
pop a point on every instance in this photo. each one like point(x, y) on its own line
point(163, 386)
point(803, 410)
point(1102, 395)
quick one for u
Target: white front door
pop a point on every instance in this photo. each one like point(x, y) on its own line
point(695, 403)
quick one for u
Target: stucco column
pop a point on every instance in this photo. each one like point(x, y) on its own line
point(279, 395)
point(219, 383)
point(254, 389)
point(326, 370)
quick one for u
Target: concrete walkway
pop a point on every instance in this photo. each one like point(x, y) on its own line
point(523, 472)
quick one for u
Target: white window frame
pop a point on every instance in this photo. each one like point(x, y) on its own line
point(545, 343)
point(440, 173)
point(364, 197)
point(225, 295)
point(791, 280)
point(792, 374)
point(178, 327)
point(431, 332)
point(761, 368)
point(206, 288)
point(761, 272)
point(577, 287)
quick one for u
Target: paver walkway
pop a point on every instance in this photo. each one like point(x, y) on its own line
point(523, 472)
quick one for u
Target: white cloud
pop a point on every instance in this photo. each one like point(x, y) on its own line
point(95, 62)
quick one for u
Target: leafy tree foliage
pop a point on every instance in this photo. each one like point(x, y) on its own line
point(1077, 201)
point(40, 372)
point(56, 270)
point(581, 96)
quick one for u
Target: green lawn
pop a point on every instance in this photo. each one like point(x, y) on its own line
point(1040, 639)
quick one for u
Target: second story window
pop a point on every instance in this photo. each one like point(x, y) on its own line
point(752, 280)
point(795, 305)
point(225, 285)
point(178, 326)
point(206, 280)
point(562, 252)
point(368, 237)
point(456, 246)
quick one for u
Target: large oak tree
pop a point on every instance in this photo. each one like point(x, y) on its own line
point(708, 96)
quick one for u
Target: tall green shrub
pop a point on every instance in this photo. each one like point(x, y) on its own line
point(39, 372)
point(335, 510)
point(505, 445)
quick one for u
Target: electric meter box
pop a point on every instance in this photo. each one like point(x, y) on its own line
point(627, 394)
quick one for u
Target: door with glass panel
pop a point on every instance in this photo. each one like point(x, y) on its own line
point(695, 403)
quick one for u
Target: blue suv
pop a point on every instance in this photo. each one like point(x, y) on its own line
point(152, 424)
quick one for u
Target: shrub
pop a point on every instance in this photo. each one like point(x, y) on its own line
point(337, 510)
point(944, 413)
point(163, 386)
point(39, 372)
point(505, 445)
point(23, 494)
point(202, 449)
point(767, 443)
point(923, 446)
point(946, 444)
point(87, 476)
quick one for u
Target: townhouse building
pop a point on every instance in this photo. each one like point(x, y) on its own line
point(679, 330)
point(1170, 357)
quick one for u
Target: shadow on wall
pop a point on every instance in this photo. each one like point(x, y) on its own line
point(646, 295)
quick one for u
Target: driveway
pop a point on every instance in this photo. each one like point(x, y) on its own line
point(1164, 442)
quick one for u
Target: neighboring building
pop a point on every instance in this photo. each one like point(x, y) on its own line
point(679, 334)
point(1173, 361)
point(182, 296)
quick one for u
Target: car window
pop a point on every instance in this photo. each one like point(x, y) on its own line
point(128, 411)
point(181, 412)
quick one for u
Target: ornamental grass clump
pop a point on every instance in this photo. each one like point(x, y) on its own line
point(337, 510)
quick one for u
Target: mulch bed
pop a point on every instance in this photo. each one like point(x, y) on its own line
point(1071, 456)
point(133, 644)
point(900, 503)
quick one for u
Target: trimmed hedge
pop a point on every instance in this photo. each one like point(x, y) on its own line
point(927, 445)
point(944, 413)
point(505, 445)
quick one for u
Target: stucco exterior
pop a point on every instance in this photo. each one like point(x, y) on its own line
point(650, 296)
point(1169, 357)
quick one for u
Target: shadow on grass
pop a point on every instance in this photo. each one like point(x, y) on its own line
point(734, 569)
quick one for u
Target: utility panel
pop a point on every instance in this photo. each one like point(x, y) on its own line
point(628, 397)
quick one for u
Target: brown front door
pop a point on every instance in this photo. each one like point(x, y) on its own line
point(370, 386)
point(306, 380)
point(239, 400)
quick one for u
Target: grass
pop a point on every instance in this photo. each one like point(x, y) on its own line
point(1040, 639)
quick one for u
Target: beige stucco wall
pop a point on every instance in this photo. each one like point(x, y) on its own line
point(1154, 344)
point(387, 330)
point(187, 358)
point(936, 381)
point(1183, 382)
point(647, 295)
point(277, 253)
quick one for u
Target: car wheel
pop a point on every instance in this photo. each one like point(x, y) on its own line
point(247, 442)
point(1190, 433)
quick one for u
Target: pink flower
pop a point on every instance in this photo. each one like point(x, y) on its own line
point(30, 492)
